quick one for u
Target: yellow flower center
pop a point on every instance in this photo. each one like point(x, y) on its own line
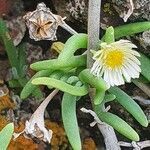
point(114, 59)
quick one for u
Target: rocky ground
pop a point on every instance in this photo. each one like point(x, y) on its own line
point(14, 109)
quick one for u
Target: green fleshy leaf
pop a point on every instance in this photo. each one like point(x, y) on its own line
point(38, 94)
point(145, 64)
point(130, 29)
point(109, 35)
point(58, 64)
point(63, 86)
point(99, 97)
point(87, 77)
point(74, 43)
point(6, 135)
point(130, 105)
point(118, 124)
point(109, 97)
point(70, 120)
point(29, 88)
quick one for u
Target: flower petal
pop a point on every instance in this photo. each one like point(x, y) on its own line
point(127, 69)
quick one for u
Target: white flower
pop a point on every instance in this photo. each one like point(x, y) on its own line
point(116, 62)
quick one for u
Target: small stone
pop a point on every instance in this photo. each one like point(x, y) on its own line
point(16, 29)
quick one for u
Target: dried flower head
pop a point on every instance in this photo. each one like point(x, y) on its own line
point(43, 24)
point(35, 126)
point(116, 62)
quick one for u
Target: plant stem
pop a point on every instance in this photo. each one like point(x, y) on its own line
point(93, 28)
point(93, 40)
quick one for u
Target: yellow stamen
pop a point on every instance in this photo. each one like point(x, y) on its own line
point(114, 58)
